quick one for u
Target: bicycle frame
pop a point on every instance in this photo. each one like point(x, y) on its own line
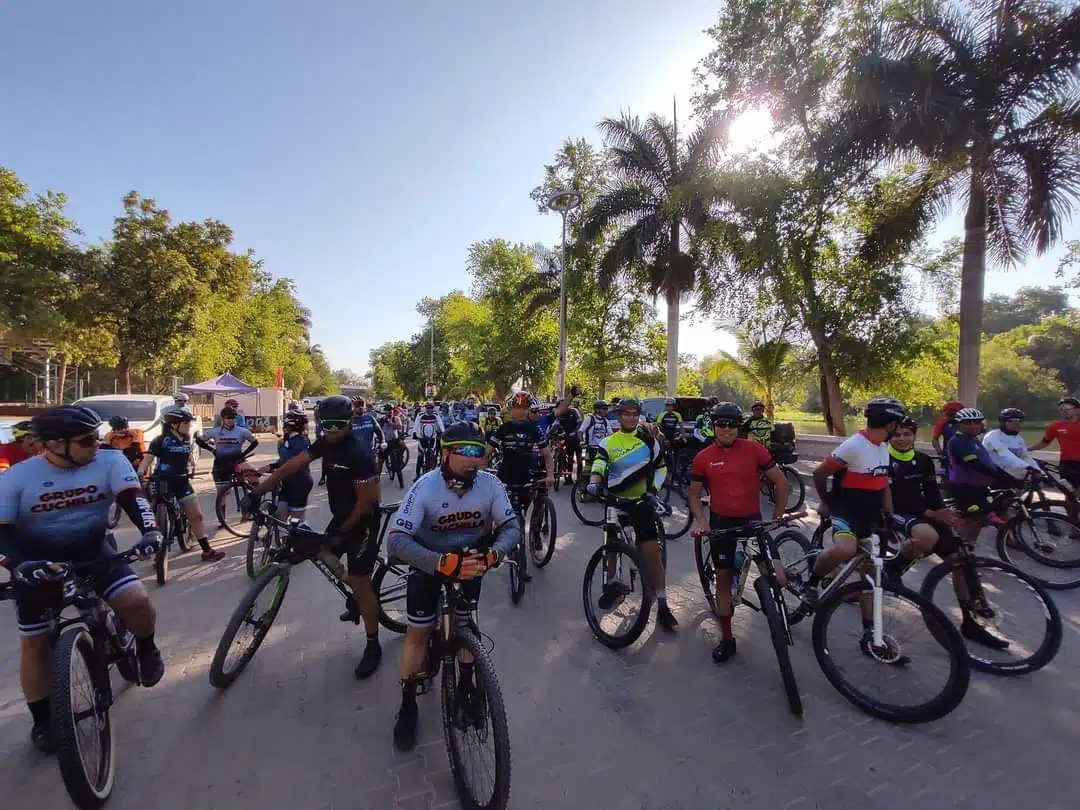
point(870, 551)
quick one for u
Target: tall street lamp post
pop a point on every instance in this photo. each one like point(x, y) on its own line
point(563, 200)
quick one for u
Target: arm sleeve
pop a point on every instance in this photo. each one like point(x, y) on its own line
point(316, 449)
point(402, 544)
point(9, 546)
point(1002, 456)
point(439, 423)
point(416, 425)
point(504, 522)
point(155, 446)
point(137, 507)
point(600, 463)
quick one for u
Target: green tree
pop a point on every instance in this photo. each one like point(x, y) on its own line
point(765, 361)
point(1053, 343)
point(981, 96)
point(1028, 305)
point(661, 197)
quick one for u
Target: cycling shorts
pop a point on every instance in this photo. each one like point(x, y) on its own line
point(1070, 471)
point(723, 550)
point(644, 521)
point(972, 501)
point(360, 546)
point(424, 591)
point(294, 491)
point(947, 543)
point(179, 486)
point(37, 605)
point(223, 468)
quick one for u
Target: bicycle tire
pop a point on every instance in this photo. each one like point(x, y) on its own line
point(486, 679)
point(681, 528)
point(574, 496)
point(186, 539)
point(1010, 528)
point(219, 678)
point(616, 642)
point(86, 790)
point(542, 556)
point(778, 633)
point(796, 489)
point(161, 564)
point(398, 595)
point(939, 627)
point(558, 472)
point(164, 520)
point(405, 456)
point(800, 569)
point(254, 543)
point(517, 572)
point(235, 491)
point(114, 515)
point(1051, 643)
point(706, 572)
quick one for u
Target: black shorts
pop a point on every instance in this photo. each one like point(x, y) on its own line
point(422, 596)
point(723, 550)
point(643, 520)
point(35, 605)
point(947, 543)
point(294, 491)
point(179, 486)
point(972, 501)
point(1070, 471)
point(223, 468)
point(856, 513)
point(360, 546)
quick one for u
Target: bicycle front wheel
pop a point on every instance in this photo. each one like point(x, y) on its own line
point(1045, 545)
point(229, 513)
point(619, 609)
point(262, 540)
point(588, 509)
point(923, 654)
point(543, 529)
point(81, 721)
point(778, 631)
point(391, 583)
point(676, 517)
point(474, 717)
point(1006, 603)
point(796, 489)
point(248, 626)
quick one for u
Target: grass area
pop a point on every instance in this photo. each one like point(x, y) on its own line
point(814, 424)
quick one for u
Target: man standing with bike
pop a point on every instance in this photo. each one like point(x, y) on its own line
point(352, 488)
point(393, 430)
point(629, 463)
point(226, 442)
point(731, 467)
point(54, 509)
point(427, 428)
point(455, 522)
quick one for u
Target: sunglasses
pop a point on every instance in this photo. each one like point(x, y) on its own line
point(467, 450)
point(334, 424)
point(725, 423)
point(89, 440)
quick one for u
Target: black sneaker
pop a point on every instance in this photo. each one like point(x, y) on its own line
point(41, 738)
point(151, 666)
point(611, 594)
point(369, 661)
point(887, 655)
point(723, 651)
point(405, 727)
point(352, 611)
point(973, 631)
point(665, 618)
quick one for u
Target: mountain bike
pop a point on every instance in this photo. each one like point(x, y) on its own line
point(796, 488)
point(883, 649)
point(264, 536)
point(757, 548)
point(624, 574)
point(228, 504)
point(172, 521)
point(561, 461)
point(1037, 534)
point(85, 646)
point(538, 533)
point(397, 456)
point(426, 455)
point(300, 544)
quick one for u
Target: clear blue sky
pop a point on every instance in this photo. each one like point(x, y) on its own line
point(357, 147)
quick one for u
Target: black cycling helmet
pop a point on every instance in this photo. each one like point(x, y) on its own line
point(65, 422)
point(118, 422)
point(463, 433)
point(294, 420)
point(599, 404)
point(883, 410)
point(615, 401)
point(726, 411)
point(174, 415)
point(910, 424)
point(713, 401)
point(629, 404)
point(1009, 414)
point(228, 413)
point(335, 407)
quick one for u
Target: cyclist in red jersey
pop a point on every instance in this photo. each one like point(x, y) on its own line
point(1066, 432)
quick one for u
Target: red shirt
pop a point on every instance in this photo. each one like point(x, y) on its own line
point(939, 426)
point(11, 454)
point(732, 475)
point(1067, 434)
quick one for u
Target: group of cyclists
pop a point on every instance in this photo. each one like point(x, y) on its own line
point(458, 521)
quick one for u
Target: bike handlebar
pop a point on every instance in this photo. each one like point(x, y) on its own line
point(749, 528)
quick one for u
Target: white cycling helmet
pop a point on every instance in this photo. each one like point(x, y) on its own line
point(180, 396)
point(969, 415)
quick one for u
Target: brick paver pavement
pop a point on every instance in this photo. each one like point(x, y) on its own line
point(655, 727)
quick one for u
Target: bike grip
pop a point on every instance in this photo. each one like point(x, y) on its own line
point(796, 515)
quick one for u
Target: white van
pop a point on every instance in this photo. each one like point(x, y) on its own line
point(143, 411)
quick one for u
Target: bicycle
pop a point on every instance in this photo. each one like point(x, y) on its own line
point(623, 569)
point(92, 641)
point(883, 649)
point(426, 456)
point(561, 462)
point(540, 537)
point(477, 706)
point(796, 488)
point(757, 547)
point(1042, 534)
point(263, 537)
point(301, 544)
point(397, 456)
point(230, 498)
point(173, 523)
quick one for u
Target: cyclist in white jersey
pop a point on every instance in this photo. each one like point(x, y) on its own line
point(594, 429)
point(455, 521)
point(1007, 447)
point(54, 508)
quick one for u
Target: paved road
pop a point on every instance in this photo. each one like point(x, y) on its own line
point(656, 727)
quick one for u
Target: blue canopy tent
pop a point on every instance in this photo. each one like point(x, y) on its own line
point(222, 384)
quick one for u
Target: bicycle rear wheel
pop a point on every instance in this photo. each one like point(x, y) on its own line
point(677, 517)
point(939, 647)
point(262, 540)
point(543, 528)
point(273, 582)
point(1046, 546)
point(229, 513)
point(84, 754)
point(796, 489)
point(623, 623)
point(391, 583)
point(518, 571)
point(769, 599)
point(588, 509)
point(474, 716)
point(1003, 598)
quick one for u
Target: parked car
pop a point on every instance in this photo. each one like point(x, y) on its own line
point(143, 411)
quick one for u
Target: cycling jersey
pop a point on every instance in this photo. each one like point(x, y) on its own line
point(241, 420)
point(491, 424)
point(470, 414)
point(367, 430)
point(346, 462)
point(570, 422)
point(122, 440)
point(519, 442)
point(703, 429)
point(1067, 434)
point(290, 447)
point(864, 463)
point(630, 463)
point(733, 476)
point(173, 455)
point(11, 454)
point(970, 463)
point(427, 425)
point(228, 442)
point(434, 519)
point(60, 509)
point(913, 483)
point(670, 424)
point(594, 429)
point(1009, 453)
point(392, 427)
point(760, 430)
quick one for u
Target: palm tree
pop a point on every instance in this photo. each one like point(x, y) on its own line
point(982, 98)
point(662, 195)
point(766, 363)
